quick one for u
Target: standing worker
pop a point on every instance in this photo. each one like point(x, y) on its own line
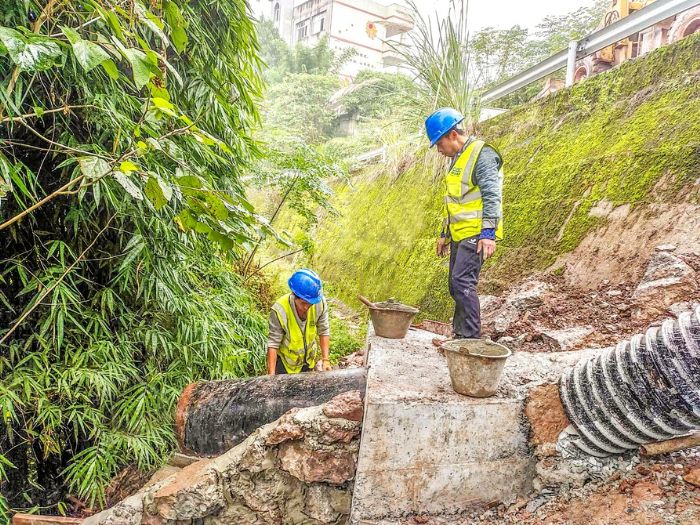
point(296, 321)
point(473, 222)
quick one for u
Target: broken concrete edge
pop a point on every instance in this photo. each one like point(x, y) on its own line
point(181, 415)
point(321, 460)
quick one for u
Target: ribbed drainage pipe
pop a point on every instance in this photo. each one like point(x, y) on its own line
point(646, 389)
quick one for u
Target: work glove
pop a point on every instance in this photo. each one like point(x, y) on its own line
point(327, 365)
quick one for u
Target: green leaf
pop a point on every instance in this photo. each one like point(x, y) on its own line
point(89, 54)
point(142, 67)
point(128, 185)
point(157, 191)
point(113, 22)
point(31, 52)
point(127, 167)
point(190, 181)
point(111, 69)
point(177, 23)
point(93, 167)
point(39, 111)
point(185, 220)
point(217, 206)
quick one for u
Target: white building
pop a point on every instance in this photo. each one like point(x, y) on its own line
point(364, 25)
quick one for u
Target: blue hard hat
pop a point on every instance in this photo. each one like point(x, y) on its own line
point(307, 286)
point(440, 122)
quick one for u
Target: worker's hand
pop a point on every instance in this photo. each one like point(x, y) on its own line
point(443, 247)
point(487, 246)
point(327, 365)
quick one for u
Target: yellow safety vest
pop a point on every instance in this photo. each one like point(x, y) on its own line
point(296, 344)
point(463, 199)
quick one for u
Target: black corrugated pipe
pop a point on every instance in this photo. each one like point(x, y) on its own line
point(644, 390)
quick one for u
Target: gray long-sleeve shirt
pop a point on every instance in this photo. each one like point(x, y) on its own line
point(487, 176)
point(276, 335)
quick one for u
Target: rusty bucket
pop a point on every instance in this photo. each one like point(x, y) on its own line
point(391, 319)
point(475, 365)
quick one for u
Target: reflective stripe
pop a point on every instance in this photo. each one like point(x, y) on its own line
point(279, 310)
point(469, 197)
point(465, 216)
point(467, 173)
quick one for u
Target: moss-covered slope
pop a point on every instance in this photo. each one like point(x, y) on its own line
point(611, 138)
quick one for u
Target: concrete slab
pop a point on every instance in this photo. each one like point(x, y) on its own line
point(428, 450)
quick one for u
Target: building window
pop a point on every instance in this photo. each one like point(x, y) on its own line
point(276, 12)
point(318, 23)
point(302, 30)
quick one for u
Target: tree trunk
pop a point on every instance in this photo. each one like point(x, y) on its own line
point(214, 416)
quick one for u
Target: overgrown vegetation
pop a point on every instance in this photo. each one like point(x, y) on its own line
point(613, 137)
point(122, 215)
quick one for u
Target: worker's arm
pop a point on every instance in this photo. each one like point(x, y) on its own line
point(487, 176)
point(324, 336)
point(271, 361)
point(325, 341)
point(274, 340)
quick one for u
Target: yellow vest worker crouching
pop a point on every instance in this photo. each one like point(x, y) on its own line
point(298, 327)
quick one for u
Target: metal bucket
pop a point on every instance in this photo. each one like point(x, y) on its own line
point(475, 365)
point(392, 319)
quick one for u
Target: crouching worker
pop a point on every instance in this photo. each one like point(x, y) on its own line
point(298, 326)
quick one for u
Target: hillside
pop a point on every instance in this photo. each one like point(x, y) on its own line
point(596, 176)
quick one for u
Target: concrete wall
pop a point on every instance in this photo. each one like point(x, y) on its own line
point(426, 449)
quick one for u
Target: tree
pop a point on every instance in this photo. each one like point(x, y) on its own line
point(555, 32)
point(124, 128)
point(281, 60)
point(374, 94)
point(501, 53)
point(300, 105)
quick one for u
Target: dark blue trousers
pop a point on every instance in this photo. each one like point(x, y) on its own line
point(465, 265)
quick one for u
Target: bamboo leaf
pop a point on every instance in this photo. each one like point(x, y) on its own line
point(126, 183)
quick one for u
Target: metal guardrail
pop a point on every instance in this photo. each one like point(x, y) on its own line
point(645, 17)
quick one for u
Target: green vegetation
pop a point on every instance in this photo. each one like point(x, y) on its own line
point(344, 340)
point(612, 137)
point(124, 129)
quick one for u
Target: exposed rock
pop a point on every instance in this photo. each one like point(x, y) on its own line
point(514, 343)
point(677, 309)
point(286, 430)
point(345, 406)
point(545, 412)
point(333, 433)
point(161, 474)
point(693, 477)
point(504, 319)
point(567, 339)
point(667, 280)
point(297, 470)
point(317, 466)
point(489, 304)
point(666, 248)
point(528, 296)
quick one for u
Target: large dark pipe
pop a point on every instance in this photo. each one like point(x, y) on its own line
point(644, 390)
point(214, 416)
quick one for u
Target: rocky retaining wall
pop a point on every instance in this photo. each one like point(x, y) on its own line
point(299, 469)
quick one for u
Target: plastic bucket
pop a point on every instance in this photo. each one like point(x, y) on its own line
point(391, 319)
point(475, 365)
